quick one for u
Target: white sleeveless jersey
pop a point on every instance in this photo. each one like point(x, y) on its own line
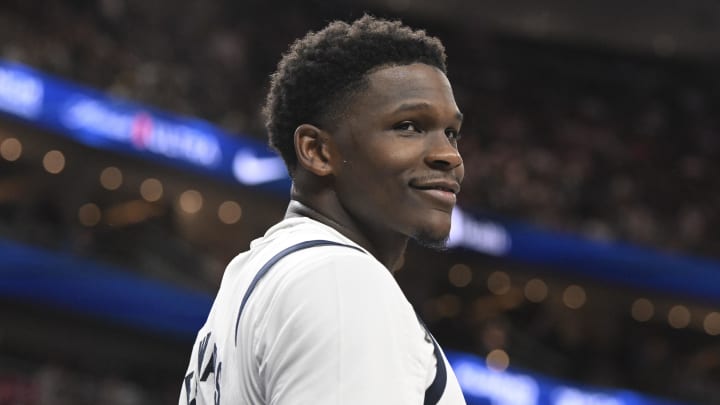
point(326, 325)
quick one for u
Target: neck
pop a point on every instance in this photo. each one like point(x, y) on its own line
point(387, 250)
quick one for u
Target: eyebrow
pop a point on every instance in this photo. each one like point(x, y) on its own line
point(422, 105)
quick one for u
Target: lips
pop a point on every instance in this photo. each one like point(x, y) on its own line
point(441, 191)
point(449, 186)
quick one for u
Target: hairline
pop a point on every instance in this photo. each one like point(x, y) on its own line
point(340, 100)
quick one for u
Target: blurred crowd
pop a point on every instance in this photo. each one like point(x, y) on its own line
point(611, 146)
point(53, 384)
point(615, 147)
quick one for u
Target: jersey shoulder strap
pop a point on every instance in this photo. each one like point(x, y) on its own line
point(432, 394)
point(270, 263)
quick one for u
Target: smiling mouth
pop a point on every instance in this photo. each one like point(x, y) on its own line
point(447, 185)
point(443, 195)
point(441, 188)
point(445, 199)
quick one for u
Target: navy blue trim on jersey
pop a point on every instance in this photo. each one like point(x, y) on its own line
point(433, 393)
point(264, 269)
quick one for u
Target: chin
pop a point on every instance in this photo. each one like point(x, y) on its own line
point(433, 238)
point(434, 244)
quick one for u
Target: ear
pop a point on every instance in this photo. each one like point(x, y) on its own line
point(313, 149)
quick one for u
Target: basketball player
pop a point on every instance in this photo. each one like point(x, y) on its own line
point(365, 119)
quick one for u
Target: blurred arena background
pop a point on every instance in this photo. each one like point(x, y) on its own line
point(585, 267)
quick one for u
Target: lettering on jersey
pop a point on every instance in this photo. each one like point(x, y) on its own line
point(201, 351)
point(213, 366)
point(217, 383)
point(189, 388)
point(210, 367)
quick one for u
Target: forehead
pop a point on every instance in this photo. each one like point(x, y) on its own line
point(389, 88)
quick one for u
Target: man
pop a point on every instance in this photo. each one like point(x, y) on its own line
point(366, 121)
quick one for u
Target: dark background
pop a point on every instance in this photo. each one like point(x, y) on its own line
point(595, 118)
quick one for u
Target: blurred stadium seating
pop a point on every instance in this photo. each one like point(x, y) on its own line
point(597, 161)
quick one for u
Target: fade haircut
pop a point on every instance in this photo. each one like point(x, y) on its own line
point(318, 73)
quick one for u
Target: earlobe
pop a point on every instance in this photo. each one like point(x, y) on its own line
point(313, 149)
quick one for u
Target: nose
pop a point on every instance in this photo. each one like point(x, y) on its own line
point(443, 153)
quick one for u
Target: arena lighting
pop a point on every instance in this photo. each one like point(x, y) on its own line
point(229, 212)
point(98, 120)
point(499, 283)
point(54, 162)
point(574, 297)
point(460, 275)
point(151, 189)
point(130, 213)
point(711, 324)
point(94, 119)
point(89, 214)
point(111, 178)
point(572, 396)
point(142, 131)
point(536, 290)
point(252, 170)
point(482, 236)
point(65, 281)
point(497, 360)
point(191, 201)
point(484, 386)
point(11, 149)
point(679, 317)
point(499, 388)
point(642, 310)
point(21, 91)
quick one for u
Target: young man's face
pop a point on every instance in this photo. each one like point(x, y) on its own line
point(398, 168)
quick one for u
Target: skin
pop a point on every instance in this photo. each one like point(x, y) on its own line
point(382, 172)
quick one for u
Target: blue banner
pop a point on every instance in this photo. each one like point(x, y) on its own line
point(571, 255)
point(67, 282)
point(97, 120)
point(484, 386)
point(94, 119)
point(106, 292)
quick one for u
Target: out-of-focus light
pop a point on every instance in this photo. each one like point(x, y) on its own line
point(536, 290)
point(574, 297)
point(642, 310)
point(89, 214)
point(497, 360)
point(11, 149)
point(111, 178)
point(129, 213)
point(54, 161)
point(499, 283)
point(229, 212)
point(460, 275)
point(679, 317)
point(712, 324)
point(563, 395)
point(151, 189)
point(191, 201)
point(448, 305)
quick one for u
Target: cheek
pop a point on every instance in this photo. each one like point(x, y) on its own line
point(396, 156)
point(383, 166)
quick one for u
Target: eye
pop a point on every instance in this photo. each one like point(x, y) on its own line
point(407, 126)
point(452, 134)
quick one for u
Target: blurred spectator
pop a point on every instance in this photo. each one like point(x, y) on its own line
point(610, 146)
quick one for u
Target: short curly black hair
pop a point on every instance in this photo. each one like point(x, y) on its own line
point(320, 70)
